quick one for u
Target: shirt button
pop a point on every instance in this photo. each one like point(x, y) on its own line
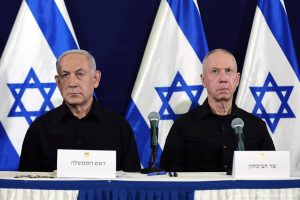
point(223, 128)
point(224, 147)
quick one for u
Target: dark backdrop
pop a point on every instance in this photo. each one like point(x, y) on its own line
point(116, 33)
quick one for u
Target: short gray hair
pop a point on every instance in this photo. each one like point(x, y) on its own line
point(216, 50)
point(89, 56)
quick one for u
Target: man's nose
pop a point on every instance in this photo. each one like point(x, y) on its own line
point(223, 77)
point(72, 80)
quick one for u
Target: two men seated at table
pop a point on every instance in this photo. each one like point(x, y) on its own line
point(203, 139)
point(79, 123)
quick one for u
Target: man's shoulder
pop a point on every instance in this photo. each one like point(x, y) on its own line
point(108, 115)
point(245, 115)
point(191, 115)
point(112, 120)
point(53, 113)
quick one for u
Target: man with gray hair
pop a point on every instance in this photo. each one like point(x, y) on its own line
point(203, 139)
point(80, 122)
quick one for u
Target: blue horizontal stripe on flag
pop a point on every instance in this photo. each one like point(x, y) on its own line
point(53, 26)
point(9, 158)
point(277, 20)
point(189, 20)
point(142, 135)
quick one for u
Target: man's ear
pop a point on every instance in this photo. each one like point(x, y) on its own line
point(238, 78)
point(97, 78)
point(202, 80)
point(57, 81)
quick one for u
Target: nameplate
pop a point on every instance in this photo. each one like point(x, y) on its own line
point(86, 163)
point(261, 164)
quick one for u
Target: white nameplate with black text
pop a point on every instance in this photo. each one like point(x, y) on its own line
point(261, 164)
point(86, 163)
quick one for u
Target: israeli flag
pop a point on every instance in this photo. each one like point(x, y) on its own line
point(42, 31)
point(269, 85)
point(168, 81)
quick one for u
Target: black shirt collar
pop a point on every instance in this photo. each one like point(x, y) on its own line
point(94, 111)
point(206, 110)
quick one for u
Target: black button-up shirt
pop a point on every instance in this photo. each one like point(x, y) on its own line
point(60, 129)
point(203, 141)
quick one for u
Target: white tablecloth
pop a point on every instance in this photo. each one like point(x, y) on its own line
point(208, 186)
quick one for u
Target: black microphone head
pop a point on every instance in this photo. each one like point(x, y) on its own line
point(237, 122)
point(154, 119)
point(153, 116)
point(237, 125)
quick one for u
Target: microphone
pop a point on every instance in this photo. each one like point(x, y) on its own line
point(152, 170)
point(237, 125)
point(154, 119)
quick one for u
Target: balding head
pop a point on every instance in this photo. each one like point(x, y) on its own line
point(90, 58)
point(219, 52)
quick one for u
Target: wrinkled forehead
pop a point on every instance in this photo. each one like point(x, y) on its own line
point(75, 57)
point(220, 60)
point(74, 61)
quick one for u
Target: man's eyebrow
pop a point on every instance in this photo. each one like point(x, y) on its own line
point(64, 71)
point(78, 70)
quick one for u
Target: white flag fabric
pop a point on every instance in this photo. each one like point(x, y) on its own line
point(41, 32)
point(269, 85)
point(168, 81)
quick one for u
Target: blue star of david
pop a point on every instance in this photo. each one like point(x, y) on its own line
point(17, 89)
point(283, 92)
point(178, 85)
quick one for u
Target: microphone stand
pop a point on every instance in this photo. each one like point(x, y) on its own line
point(240, 144)
point(152, 168)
